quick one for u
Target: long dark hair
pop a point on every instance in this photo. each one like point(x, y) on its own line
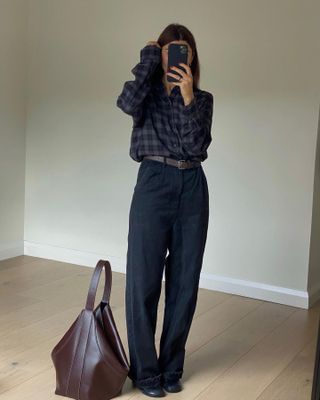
point(173, 32)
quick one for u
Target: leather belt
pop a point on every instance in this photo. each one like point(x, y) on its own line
point(181, 164)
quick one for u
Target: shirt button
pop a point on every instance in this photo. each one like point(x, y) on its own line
point(174, 145)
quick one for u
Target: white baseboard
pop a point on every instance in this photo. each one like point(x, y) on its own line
point(72, 256)
point(255, 290)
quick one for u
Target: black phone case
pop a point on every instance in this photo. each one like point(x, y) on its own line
point(177, 53)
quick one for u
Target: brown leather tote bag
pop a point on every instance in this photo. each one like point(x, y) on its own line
point(90, 360)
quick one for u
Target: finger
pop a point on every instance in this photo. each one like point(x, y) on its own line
point(181, 80)
point(186, 67)
point(180, 71)
point(174, 75)
point(176, 83)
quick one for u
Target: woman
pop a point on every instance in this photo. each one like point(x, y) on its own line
point(169, 209)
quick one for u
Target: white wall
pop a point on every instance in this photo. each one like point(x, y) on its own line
point(314, 261)
point(13, 24)
point(259, 59)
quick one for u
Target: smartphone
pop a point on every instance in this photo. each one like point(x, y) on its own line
point(177, 53)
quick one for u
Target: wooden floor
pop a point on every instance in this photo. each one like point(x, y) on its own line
point(238, 348)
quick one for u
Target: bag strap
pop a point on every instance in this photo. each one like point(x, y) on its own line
point(95, 281)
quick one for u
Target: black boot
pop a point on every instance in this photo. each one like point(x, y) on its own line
point(153, 391)
point(172, 387)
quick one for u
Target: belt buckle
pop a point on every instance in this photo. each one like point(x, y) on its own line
point(179, 165)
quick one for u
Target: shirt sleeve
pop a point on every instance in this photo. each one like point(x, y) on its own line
point(134, 91)
point(196, 124)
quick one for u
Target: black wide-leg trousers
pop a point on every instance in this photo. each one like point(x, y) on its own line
point(169, 212)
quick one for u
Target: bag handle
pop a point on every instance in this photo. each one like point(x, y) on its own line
point(95, 281)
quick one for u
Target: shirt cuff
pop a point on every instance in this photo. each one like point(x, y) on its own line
point(150, 52)
point(191, 109)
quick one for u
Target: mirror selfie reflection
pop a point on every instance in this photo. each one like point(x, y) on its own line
point(159, 203)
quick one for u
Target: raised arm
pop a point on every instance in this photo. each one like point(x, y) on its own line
point(195, 131)
point(134, 92)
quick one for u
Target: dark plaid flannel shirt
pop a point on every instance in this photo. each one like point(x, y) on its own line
point(162, 124)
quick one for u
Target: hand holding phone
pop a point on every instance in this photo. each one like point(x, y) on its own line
point(177, 53)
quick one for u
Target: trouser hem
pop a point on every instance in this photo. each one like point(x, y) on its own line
point(147, 382)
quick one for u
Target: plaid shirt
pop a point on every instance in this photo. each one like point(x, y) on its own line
point(162, 124)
